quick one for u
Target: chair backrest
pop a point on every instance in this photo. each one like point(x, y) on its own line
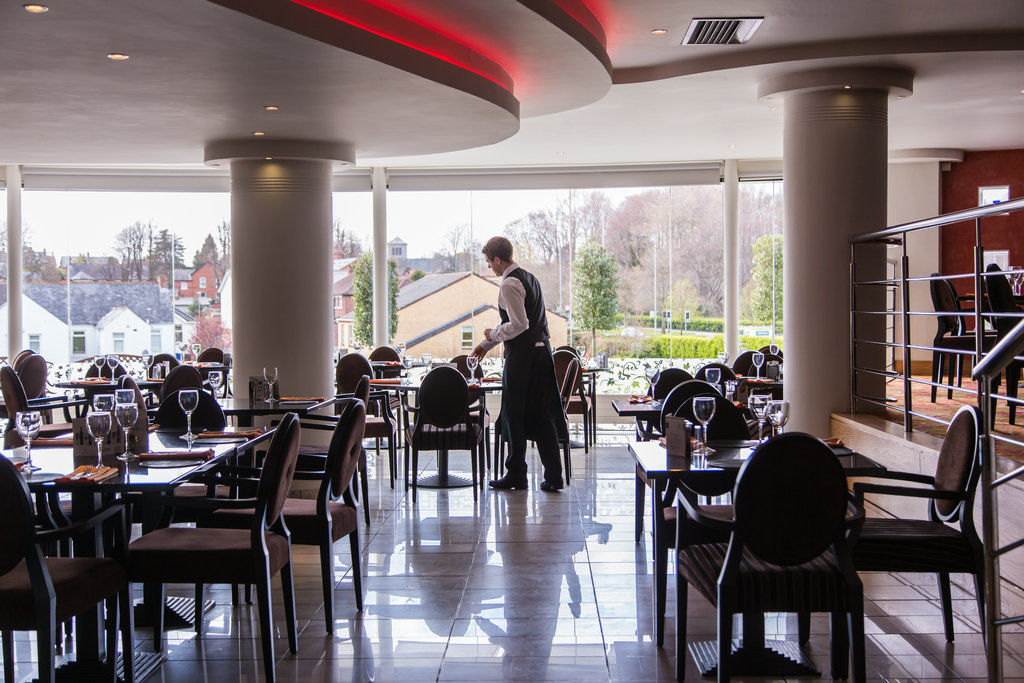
point(104, 371)
point(790, 500)
point(385, 353)
point(18, 515)
point(744, 364)
point(562, 359)
point(570, 349)
point(362, 392)
point(171, 361)
point(20, 358)
point(944, 300)
point(15, 401)
point(444, 397)
point(346, 446)
point(727, 373)
point(667, 380)
point(180, 377)
point(681, 393)
point(32, 374)
point(211, 355)
point(727, 422)
point(959, 465)
point(1000, 298)
point(350, 368)
point(461, 366)
point(278, 471)
point(208, 415)
point(767, 349)
point(569, 380)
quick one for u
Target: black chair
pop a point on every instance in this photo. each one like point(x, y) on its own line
point(387, 354)
point(208, 415)
point(20, 358)
point(727, 423)
point(159, 358)
point(663, 383)
point(351, 367)
point(478, 400)
point(443, 423)
point(32, 372)
point(727, 373)
point(788, 552)
point(16, 402)
point(744, 363)
point(579, 402)
point(211, 355)
point(180, 377)
point(37, 592)
point(570, 379)
point(951, 341)
point(947, 541)
point(1000, 300)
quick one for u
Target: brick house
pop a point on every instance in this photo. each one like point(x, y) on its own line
point(201, 283)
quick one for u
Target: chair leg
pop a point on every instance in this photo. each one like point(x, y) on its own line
point(45, 633)
point(124, 606)
point(156, 615)
point(199, 609)
point(357, 572)
point(567, 458)
point(327, 579)
point(661, 576)
point(415, 471)
point(8, 643)
point(840, 646)
point(947, 605)
point(681, 590)
point(110, 632)
point(407, 465)
point(473, 470)
point(288, 590)
point(724, 641)
point(1012, 380)
point(803, 627)
point(248, 593)
point(856, 629)
point(392, 459)
point(937, 357)
point(366, 487)
point(266, 626)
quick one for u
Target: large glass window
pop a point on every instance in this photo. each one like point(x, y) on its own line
point(760, 233)
point(35, 342)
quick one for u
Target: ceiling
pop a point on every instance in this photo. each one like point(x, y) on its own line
point(474, 83)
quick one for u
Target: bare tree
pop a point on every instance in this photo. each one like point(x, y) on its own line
point(458, 249)
point(346, 242)
point(223, 263)
point(130, 245)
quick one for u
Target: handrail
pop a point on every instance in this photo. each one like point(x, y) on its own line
point(940, 220)
point(1001, 355)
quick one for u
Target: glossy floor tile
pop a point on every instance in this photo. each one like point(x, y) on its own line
point(527, 586)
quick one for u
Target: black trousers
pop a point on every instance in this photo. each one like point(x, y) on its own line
point(532, 410)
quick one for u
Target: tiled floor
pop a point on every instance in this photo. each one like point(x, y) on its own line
point(528, 586)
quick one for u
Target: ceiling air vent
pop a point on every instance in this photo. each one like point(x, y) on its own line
point(721, 30)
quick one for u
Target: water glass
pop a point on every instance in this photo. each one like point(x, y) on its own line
point(146, 358)
point(99, 362)
point(196, 349)
point(406, 362)
point(778, 414)
point(704, 410)
point(758, 359)
point(188, 399)
point(773, 349)
point(400, 347)
point(714, 377)
point(731, 386)
point(127, 414)
point(758, 404)
point(112, 363)
point(270, 377)
point(427, 359)
point(723, 357)
point(103, 402)
point(98, 422)
point(216, 378)
point(28, 423)
point(124, 396)
point(471, 365)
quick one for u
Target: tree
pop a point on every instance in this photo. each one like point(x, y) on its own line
point(766, 279)
point(130, 246)
point(223, 263)
point(206, 254)
point(684, 298)
point(458, 249)
point(595, 289)
point(417, 275)
point(362, 295)
point(166, 249)
point(346, 243)
point(210, 331)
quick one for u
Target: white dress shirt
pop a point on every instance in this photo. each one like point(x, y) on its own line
point(511, 297)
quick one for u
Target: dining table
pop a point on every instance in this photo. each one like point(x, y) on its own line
point(144, 480)
point(245, 410)
point(714, 475)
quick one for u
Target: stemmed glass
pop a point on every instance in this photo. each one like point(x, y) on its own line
point(471, 365)
point(188, 399)
point(778, 414)
point(27, 423)
point(704, 410)
point(270, 376)
point(126, 412)
point(99, 362)
point(98, 422)
point(758, 404)
point(215, 378)
point(103, 402)
point(758, 359)
point(111, 363)
point(196, 348)
point(400, 347)
point(773, 349)
point(406, 362)
point(427, 359)
point(714, 376)
point(651, 372)
point(146, 357)
point(730, 389)
point(723, 357)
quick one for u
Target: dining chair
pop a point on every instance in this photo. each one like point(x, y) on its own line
point(727, 373)
point(1000, 300)
point(478, 399)
point(744, 363)
point(202, 555)
point(727, 423)
point(951, 342)
point(329, 517)
point(32, 372)
point(947, 541)
point(787, 551)
point(664, 382)
point(386, 353)
point(569, 381)
point(579, 402)
point(351, 367)
point(211, 355)
point(443, 423)
point(180, 377)
point(38, 592)
point(208, 414)
point(20, 358)
point(16, 402)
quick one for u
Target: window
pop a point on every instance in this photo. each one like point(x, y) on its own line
point(337, 302)
point(467, 336)
point(119, 342)
point(78, 342)
point(155, 341)
point(993, 195)
point(177, 333)
point(184, 286)
point(202, 283)
point(34, 342)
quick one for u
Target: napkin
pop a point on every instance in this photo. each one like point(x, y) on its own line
point(154, 427)
point(63, 441)
point(86, 474)
point(304, 399)
point(92, 380)
point(178, 455)
point(393, 362)
point(248, 434)
point(491, 379)
point(385, 381)
point(154, 379)
point(640, 399)
point(834, 442)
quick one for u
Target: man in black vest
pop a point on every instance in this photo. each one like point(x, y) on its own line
point(530, 405)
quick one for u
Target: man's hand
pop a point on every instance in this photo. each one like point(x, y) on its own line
point(479, 352)
point(487, 334)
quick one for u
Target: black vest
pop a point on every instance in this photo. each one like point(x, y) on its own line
point(536, 315)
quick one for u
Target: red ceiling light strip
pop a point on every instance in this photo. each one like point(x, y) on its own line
point(502, 79)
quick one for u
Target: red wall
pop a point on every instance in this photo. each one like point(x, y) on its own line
point(960, 191)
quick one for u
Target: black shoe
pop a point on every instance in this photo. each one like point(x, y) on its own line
point(551, 486)
point(508, 483)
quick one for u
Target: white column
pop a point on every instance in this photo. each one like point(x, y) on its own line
point(281, 220)
point(380, 256)
point(834, 166)
point(731, 265)
point(14, 264)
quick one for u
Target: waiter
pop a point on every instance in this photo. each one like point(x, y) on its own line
point(530, 404)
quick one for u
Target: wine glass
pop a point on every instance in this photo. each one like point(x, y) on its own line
point(730, 389)
point(471, 365)
point(778, 414)
point(112, 363)
point(270, 376)
point(99, 362)
point(758, 359)
point(714, 377)
point(98, 422)
point(406, 362)
point(773, 349)
point(146, 358)
point(103, 402)
point(651, 372)
point(356, 345)
point(704, 410)
point(27, 423)
point(758, 404)
point(427, 359)
point(400, 347)
point(723, 357)
point(127, 414)
point(188, 399)
point(215, 379)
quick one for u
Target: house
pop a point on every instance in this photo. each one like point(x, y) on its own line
point(199, 284)
point(126, 317)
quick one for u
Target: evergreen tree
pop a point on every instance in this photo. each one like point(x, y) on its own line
point(362, 295)
point(595, 289)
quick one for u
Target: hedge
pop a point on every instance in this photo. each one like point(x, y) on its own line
point(682, 346)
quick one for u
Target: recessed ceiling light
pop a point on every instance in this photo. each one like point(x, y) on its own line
point(1022, 92)
point(34, 8)
point(772, 108)
point(900, 97)
point(117, 56)
point(732, 146)
point(658, 31)
point(268, 158)
point(271, 107)
point(561, 154)
point(847, 87)
point(258, 133)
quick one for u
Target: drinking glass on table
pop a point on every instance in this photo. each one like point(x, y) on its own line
point(112, 363)
point(103, 402)
point(196, 348)
point(216, 378)
point(714, 377)
point(127, 414)
point(704, 410)
point(778, 414)
point(723, 357)
point(270, 377)
point(98, 422)
point(758, 404)
point(406, 362)
point(28, 423)
point(427, 359)
point(730, 389)
point(400, 347)
point(773, 349)
point(471, 365)
point(758, 359)
point(146, 358)
point(188, 399)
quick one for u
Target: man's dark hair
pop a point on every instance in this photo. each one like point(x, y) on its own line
point(498, 247)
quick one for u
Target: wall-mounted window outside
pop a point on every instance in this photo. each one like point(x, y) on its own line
point(118, 342)
point(995, 194)
point(184, 286)
point(202, 282)
point(155, 342)
point(78, 342)
point(35, 342)
point(177, 334)
point(467, 336)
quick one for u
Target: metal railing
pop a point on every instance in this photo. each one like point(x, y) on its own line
point(989, 365)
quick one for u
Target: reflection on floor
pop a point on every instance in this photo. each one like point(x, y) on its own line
point(528, 586)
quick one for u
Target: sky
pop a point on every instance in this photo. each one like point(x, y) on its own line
point(87, 222)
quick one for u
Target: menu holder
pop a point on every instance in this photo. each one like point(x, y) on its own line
point(677, 436)
point(258, 389)
point(82, 442)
